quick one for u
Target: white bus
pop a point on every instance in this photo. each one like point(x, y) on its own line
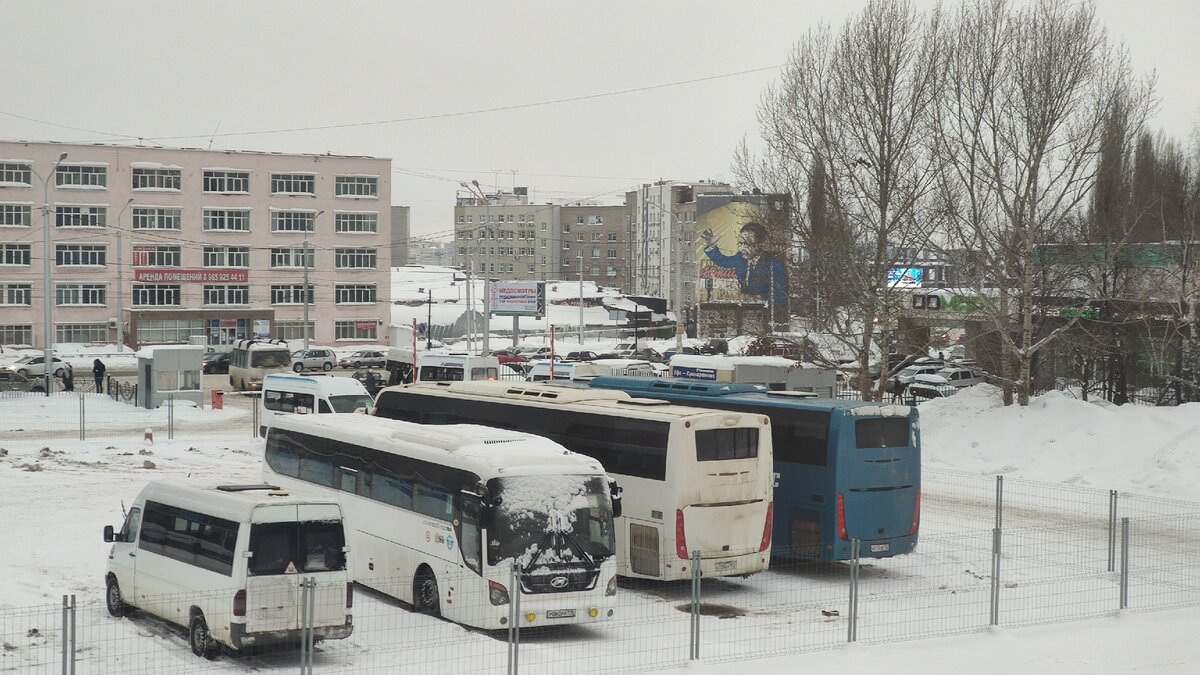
point(438, 516)
point(226, 561)
point(308, 394)
point(251, 360)
point(566, 370)
point(456, 367)
point(693, 479)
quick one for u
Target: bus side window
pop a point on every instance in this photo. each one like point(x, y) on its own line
point(324, 406)
point(271, 400)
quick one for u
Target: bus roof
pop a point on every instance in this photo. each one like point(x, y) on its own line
point(716, 362)
point(329, 384)
point(744, 394)
point(484, 451)
point(547, 393)
point(231, 504)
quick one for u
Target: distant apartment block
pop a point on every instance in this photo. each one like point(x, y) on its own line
point(594, 239)
point(511, 237)
point(182, 242)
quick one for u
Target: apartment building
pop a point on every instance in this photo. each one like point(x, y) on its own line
point(175, 243)
point(515, 239)
point(594, 239)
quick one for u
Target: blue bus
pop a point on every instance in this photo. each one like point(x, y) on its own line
point(847, 469)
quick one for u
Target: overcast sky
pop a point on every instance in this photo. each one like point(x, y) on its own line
point(582, 100)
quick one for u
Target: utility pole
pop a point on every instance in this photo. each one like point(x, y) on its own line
point(121, 279)
point(580, 300)
point(304, 261)
point(678, 241)
point(48, 295)
point(429, 323)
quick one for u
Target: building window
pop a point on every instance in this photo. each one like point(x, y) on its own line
point(15, 254)
point(292, 257)
point(224, 181)
point(355, 329)
point(154, 218)
point(81, 332)
point(566, 246)
point(612, 236)
point(80, 216)
point(356, 186)
point(15, 215)
point(354, 294)
point(566, 228)
point(293, 221)
point(82, 295)
point(290, 294)
point(169, 330)
point(294, 330)
point(226, 256)
point(531, 269)
point(595, 220)
point(16, 334)
point(225, 294)
point(20, 295)
point(226, 220)
point(612, 271)
point(80, 255)
point(157, 178)
point(155, 295)
point(16, 174)
point(612, 253)
point(293, 184)
point(355, 258)
point(150, 255)
point(81, 176)
point(595, 253)
point(461, 220)
point(359, 222)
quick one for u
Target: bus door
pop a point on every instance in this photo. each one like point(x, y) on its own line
point(290, 543)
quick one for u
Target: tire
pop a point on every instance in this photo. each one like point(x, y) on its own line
point(358, 365)
point(113, 599)
point(24, 372)
point(200, 639)
point(425, 593)
point(327, 367)
point(299, 367)
point(58, 373)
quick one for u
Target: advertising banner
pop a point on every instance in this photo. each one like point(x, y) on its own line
point(741, 259)
point(518, 298)
point(207, 276)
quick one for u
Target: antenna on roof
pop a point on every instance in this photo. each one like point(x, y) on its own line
point(214, 135)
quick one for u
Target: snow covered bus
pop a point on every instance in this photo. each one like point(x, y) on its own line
point(437, 517)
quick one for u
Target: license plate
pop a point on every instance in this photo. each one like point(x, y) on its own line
point(726, 565)
point(560, 613)
point(879, 548)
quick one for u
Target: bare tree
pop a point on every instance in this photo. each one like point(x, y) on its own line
point(1019, 136)
point(847, 127)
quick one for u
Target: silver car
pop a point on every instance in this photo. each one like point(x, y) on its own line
point(313, 359)
point(364, 358)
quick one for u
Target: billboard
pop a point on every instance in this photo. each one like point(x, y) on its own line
point(742, 255)
point(905, 277)
point(518, 298)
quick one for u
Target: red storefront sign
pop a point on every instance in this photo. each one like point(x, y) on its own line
point(213, 276)
point(365, 325)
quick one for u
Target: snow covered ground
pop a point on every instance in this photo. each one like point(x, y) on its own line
point(57, 493)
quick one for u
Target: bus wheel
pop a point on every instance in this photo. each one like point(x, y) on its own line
point(425, 593)
point(112, 598)
point(200, 639)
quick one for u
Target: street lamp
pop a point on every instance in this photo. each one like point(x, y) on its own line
point(48, 294)
point(487, 259)
point(121, 279)
point(304, 261)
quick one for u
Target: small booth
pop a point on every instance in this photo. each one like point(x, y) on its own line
point(169, 371)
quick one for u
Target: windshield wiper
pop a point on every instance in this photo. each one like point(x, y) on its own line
point(574, 544)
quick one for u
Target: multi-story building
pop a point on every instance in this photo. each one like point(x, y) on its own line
point(598, 241)
point(422, 251)
point(401, 241)
point(175, 243)
point(519, 240)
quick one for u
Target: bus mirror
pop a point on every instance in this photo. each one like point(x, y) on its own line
point(108, 534)
point(615, 491)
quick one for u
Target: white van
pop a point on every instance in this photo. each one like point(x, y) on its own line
point(456, 367)
point(567, 370)
point(226, 562)
point(284, 394)
point(628, 367)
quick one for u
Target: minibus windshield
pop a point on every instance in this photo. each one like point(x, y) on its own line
point(349, 403)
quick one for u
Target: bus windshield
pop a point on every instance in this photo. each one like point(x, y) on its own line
point(270, 358)
point(349, 403)
point(550, 520)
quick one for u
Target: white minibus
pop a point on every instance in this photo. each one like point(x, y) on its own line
point(226, 562)
point(628, 367)
point(566, 370)
point(439, 516)
point(307, 394)
point(456, 367)
point(251, 360)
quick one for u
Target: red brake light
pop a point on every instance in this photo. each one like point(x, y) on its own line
point(680, 540)
point(766, 539)
point(349, 595)
point(239, 603)
point(841, 518)
point(916, 521)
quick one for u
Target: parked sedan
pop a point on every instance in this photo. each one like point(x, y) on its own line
point(31, 366)
point(313, 359)
point(10, 381)
point(363, 358)
point(215, 362)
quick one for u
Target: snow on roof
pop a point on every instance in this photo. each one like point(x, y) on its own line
point(148, 352)
point(729, 362)
point(236, 506)
point(153, 165)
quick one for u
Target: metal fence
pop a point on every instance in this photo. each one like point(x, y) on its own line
point(1042, 553)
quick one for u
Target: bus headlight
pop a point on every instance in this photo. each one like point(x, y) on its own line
point(497, 593)
point(612, 586)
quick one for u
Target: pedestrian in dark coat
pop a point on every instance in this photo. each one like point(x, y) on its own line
point(68, 377)
point(98, 369)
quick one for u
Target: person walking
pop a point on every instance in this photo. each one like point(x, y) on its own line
point(98, 369)
point(68, 377)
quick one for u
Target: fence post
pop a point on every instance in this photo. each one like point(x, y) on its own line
point(994, 617)
point(512, 619)
point(694, 651)
point(254, 413)
point(1124, 563)
point(308, 610)
point(171, 417)
point(72, 650)
point(852, 610)
point(516, 643)
point(999, 502)
point(82, 419)
point(1112, 529)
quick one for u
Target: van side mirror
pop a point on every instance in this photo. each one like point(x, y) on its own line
point(615, 491)
point(108, 534)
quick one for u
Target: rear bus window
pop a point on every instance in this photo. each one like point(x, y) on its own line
point(719, 444)
point(290, 548)
point(884, 432)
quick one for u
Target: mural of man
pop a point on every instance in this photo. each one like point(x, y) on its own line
point(758, 273)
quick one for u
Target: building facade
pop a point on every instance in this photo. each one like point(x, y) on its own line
point(511, 237)
point(594, 239)
point(175, 243)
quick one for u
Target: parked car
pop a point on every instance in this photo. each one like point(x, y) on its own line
point(925, 387)
point(962, 377)
point(666, 357)
point(908, 375)
point(31, 366)
point(10, 381)
point(582, 356)
point(509, 356)
point(215, 362)
point(643, 354)
point(313, 359)
point(364, 358)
